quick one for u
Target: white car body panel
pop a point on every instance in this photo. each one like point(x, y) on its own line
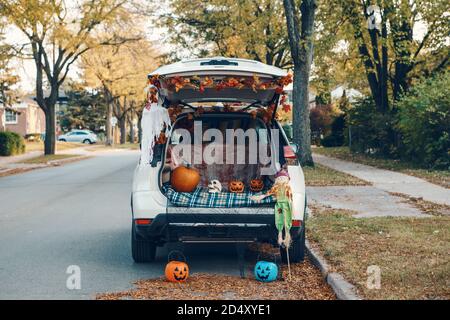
point(244, 67)
point(297, 184)
point(147, 199)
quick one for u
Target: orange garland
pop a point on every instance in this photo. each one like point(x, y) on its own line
point(200, 84)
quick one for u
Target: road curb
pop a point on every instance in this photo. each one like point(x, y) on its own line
point(4, 172)
point(343, 289)
point(60, 162)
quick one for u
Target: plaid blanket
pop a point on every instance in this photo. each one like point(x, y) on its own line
point(201, 198)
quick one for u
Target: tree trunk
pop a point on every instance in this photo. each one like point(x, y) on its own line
point(123, 129)
point(108, 126)
point(139, 129)
point(301, 44)
point(50, 130)
point(130, 123)
point(300, 117)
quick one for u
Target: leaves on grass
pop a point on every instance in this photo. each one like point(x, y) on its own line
point(412, 253)
point(306, 283)
point(320, 176)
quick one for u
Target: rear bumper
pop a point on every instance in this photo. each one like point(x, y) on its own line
point(189, 227)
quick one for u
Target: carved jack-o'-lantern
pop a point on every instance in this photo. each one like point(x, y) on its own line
point(177, 271)
point(256, 185)
point(266, 271)
point(236, 186)
point(184, 179)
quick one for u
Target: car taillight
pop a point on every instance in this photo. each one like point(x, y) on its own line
point(289, 152)
point(296, 223)
point(143, 221)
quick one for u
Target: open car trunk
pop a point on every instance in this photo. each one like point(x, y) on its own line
point(246, 161)
point(222, 93)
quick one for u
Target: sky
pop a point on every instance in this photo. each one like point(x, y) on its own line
point(25, 69)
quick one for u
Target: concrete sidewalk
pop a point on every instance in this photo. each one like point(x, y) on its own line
point(389, 181)
point(4, 161)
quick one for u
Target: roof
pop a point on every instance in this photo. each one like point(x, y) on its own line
point(215, 65)
point(22, 103)
point(351, 94)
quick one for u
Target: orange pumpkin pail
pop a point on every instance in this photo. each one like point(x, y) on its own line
point(184, 179)
point(176, 271)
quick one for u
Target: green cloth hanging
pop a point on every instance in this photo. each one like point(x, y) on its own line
point(283, 216)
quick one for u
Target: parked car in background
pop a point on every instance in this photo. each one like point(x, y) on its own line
point(84, 136)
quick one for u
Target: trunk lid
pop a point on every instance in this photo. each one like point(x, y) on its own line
point(220, 79)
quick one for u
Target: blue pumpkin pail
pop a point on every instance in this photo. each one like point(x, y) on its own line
point(266, 271)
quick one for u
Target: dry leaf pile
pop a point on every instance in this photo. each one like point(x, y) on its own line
point(306, 283)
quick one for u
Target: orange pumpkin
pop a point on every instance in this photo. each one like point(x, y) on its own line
point(177, 271)
point(236, 186)
point(184, 179)
point(256, 185)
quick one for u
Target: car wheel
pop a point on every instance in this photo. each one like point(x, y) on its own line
point(142, 251)
point(87, 141)
point(296, 250)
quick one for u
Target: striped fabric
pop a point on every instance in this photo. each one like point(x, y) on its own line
point(201, 198)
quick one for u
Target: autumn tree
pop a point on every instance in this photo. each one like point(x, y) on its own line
point(120, 73)
point(245, 29)
point(300, 26)
point(58, 32)
point(392, 42)
point(8, 79)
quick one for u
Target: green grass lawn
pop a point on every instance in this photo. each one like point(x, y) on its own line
point(46, 158)
point(412, 253)
point(60, 145)
point(440, 177)
point(324, 176)
point(131, 146)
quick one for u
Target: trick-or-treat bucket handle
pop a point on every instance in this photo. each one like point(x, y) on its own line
point(274, 256)
point(171, 253)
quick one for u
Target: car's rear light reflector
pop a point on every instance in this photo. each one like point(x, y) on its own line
point(289, 152)
point(143, 221)
point(296, 223)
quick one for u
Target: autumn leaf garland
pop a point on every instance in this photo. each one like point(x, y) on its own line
point(201, 83)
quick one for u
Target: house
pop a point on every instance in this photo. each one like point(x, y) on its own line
point(350, 93)
point(23, 117)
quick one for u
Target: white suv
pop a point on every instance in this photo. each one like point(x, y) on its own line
point(156, 219)
point(84, 136)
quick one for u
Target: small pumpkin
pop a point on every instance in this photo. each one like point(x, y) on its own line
point(236, 186)
point(177, 271)
point(256, 185)
point(266, 271)
point(184, 179)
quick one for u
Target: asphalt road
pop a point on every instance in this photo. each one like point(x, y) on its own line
point(79, 214)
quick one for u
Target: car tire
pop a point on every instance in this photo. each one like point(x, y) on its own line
point(296, 250)
point(141, 250)
point(87, 141)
